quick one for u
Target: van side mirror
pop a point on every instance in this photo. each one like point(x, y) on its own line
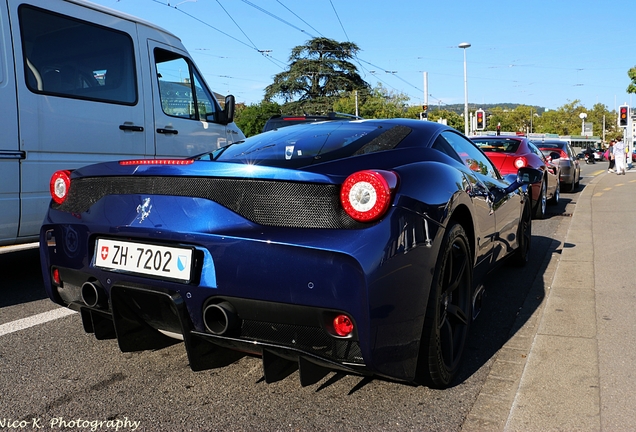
point(228, 110)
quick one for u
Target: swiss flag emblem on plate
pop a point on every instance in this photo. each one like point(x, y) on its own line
point(104, 252)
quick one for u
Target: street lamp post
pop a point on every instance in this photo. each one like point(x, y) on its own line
point(465, 45)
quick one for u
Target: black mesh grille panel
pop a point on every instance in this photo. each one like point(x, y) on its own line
point(309, 339)
point(272, 203)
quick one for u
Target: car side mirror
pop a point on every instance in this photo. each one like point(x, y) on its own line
point(525, 176)
point(555, 156)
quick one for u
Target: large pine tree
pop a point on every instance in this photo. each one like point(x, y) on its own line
point(318, 71)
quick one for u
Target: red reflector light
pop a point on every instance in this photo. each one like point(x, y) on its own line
point(157, 162)
point(294, 118)
point(56, 277)
point(366, 195)
point(520, 162)
point(342, 325)
point(59, 185)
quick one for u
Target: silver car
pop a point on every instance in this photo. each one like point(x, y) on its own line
point(569, 164)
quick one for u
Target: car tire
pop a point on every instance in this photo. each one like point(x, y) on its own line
point(557, 194)
point(449, 312)
point(578, 181)
point(542, 202)
point(521, 256)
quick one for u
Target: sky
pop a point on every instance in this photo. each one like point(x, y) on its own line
point(537, 52)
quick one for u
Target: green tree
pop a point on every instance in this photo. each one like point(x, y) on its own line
point(377, 103)
point(319, 71)
point(453, 119)
point(631, 88)
point(251, 118)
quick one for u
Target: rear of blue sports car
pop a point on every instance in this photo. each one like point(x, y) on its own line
point(303, 252)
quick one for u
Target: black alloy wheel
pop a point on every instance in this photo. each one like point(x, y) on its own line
point(448, 314)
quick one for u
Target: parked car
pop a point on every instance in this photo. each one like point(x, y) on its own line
point(511, 153)
point(279, 121)
point(569, 166)
point(350, 246)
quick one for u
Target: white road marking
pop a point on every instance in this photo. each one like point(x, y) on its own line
point(15, 248)
point(34, 320)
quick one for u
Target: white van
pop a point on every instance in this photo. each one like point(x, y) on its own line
point(79, 84)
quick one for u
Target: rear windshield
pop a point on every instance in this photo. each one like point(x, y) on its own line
point(309, 143)
point(497, 145)
point(288, 121)
point(549, 145)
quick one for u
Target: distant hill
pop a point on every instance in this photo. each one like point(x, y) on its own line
point(459, 108)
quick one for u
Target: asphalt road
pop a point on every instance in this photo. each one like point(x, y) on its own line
point(54, 376)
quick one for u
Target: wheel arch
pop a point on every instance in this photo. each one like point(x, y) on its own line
point(462, 216)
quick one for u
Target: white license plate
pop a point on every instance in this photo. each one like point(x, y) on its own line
point(141, 258)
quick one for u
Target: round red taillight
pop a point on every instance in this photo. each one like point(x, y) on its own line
point(366, 195)
point(60, 185)
point(342, 325)
point(520, 162)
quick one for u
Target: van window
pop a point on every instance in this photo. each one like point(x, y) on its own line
point(181, 88)
point(67, 57)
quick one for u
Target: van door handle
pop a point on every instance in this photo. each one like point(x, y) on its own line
point(167, 131)
point(127, 127)
point(12, 154)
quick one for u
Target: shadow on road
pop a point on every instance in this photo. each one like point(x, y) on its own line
point(22, 277)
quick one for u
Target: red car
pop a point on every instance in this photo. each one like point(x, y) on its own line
point(509, 153)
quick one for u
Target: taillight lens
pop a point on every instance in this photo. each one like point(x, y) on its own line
point(60, 185)
point(520, 162)
point(366, 195)
point(564, 155)
point(342, 325)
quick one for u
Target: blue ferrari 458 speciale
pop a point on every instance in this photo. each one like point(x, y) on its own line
point(352, 246)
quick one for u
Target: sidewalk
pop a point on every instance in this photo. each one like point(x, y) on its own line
point(576, 350)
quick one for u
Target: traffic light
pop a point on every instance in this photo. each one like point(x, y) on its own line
point(623, 115)
point(481, 120)
point(424, 113)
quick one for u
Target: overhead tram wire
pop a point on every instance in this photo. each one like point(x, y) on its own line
point(394, 74)
point(279, 63)
point(262, 52)
point(358, 59)
point(338, 16)
point(276, 17)
point(296, 15)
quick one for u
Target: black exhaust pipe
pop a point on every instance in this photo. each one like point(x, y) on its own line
point(93, 295)
point(220, 317)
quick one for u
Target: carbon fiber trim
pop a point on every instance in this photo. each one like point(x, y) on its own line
point(271, 203)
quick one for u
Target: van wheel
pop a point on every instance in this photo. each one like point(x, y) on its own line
point(449, 313)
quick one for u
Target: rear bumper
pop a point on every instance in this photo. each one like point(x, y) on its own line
point(142, 319)
point(285, 294)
